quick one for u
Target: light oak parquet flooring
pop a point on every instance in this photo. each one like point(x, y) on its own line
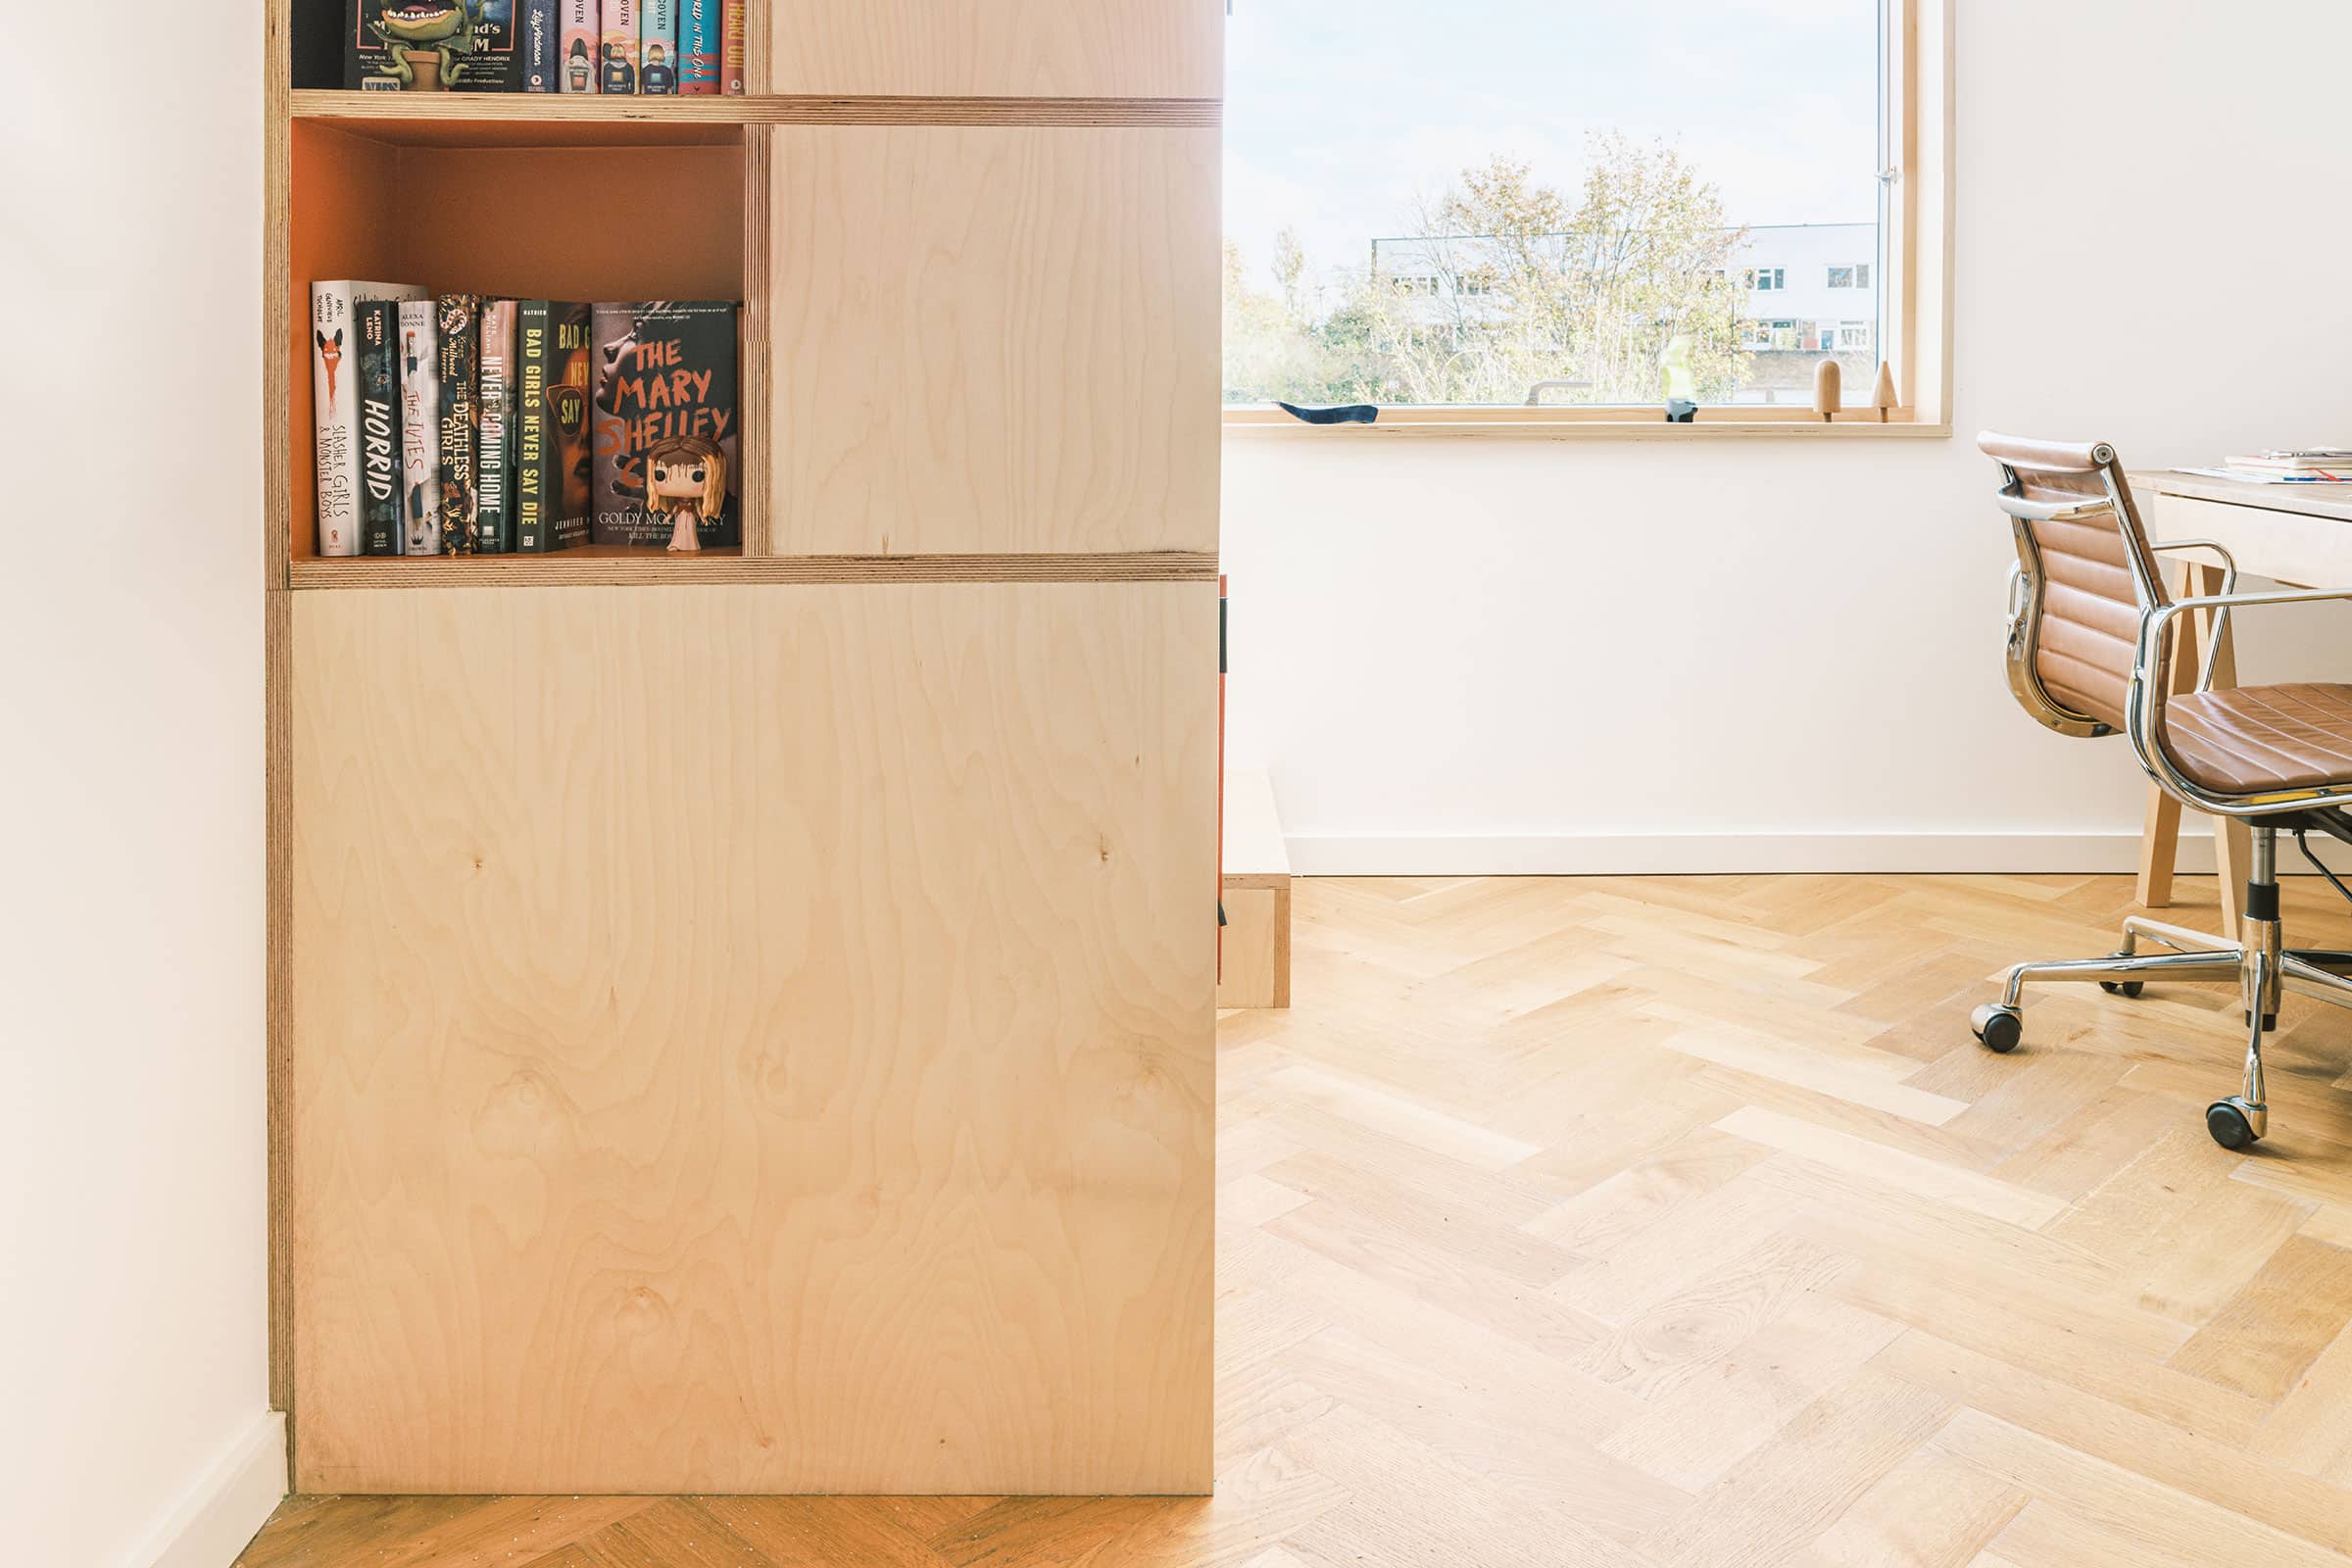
point(1658, 1222)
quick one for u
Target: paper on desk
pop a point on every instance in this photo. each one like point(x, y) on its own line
point(2248, 476)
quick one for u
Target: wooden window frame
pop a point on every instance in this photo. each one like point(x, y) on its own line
point(1917, 318)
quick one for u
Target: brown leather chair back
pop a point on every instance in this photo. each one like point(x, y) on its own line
point(2071, 651)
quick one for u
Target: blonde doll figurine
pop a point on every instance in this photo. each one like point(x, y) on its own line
point(686, 480)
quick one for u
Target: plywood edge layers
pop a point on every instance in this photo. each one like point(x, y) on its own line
point(542, 571)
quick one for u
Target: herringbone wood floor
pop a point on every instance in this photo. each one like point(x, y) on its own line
point(1657, 1222)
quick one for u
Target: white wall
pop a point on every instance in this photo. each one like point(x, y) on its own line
point(1495, 655)
point(133, 1301)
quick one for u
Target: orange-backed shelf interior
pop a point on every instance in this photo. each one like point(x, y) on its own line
point(597, 209)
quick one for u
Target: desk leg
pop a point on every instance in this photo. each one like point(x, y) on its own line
point(2160, 835)
point(2232, 840)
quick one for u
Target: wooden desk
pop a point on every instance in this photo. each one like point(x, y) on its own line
point(2300, 534)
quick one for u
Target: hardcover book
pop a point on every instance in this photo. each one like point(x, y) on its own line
point(494, 450)
point(540, 45)
point(552, 469)
point(419, 432)
point(698, 46)
point(582, 33)
point(459, 371)
point(617, 64)
point(657, 47)
point(335, 405)
point(430, 46)
point(380, 427)
point(731, 47)
point(664, 425)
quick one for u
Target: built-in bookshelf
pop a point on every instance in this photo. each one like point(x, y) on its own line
point(743, 1021)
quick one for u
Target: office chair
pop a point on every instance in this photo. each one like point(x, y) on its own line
point(2091, 637)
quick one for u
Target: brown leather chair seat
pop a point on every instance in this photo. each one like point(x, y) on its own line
point(2257, 739)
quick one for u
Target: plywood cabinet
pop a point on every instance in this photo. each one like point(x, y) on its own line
point(1033, 48)
point(744, 1021)
point(993, 339)
point(761, 1042)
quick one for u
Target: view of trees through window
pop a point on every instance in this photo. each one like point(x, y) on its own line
point(1516, 201)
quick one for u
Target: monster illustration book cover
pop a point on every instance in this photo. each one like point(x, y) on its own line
point(665, 398)
point(432, 46)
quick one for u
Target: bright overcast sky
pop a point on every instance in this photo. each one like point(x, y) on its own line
point(1340, 111)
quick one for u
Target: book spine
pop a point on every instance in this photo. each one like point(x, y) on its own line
point(540, 44)
point(570, 384)
point(495, 454)
point(581, 37)
point(461, 416)
point(531, 430)
point(657, 47)
point(732, 47)
point(419, 432)
point(698, 47)
point(335, 417)
point(616, 65)
point(380, 427)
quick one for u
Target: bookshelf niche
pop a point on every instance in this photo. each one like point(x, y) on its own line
point(519, 195)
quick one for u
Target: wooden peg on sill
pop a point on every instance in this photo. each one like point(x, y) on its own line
point(1882, 395)
point(1827, 389)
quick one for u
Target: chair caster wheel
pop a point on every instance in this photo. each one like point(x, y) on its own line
point(2122, 987)
point(1999, 1027)
point(2230, 1125)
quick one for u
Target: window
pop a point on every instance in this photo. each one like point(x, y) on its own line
point(1413, 218)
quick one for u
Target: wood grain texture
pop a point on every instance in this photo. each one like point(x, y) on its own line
point(2272, 530)
point(1073, 48)
point(757, 1041)
point(1465, 1122)
point(995, 341)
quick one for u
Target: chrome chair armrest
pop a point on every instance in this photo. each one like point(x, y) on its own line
point(2144, 697)
point(2220, 619)
point(2152, 625)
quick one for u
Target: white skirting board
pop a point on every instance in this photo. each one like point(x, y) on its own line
point(1725, 854)
point(224, 1510)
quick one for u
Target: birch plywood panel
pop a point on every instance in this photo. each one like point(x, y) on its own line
point(753, 1038)
point(995, 340)
point(1019, 48)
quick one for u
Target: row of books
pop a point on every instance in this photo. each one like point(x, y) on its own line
point(471, 425)
point(597, 46)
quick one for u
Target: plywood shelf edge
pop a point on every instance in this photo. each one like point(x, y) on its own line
point(393, 114)
point(648, 568)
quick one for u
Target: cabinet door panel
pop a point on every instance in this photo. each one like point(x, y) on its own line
point(752, 1039)
point(1000, 48)
point(995, 340)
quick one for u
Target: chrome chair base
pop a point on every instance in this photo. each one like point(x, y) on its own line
point(2259, 964)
